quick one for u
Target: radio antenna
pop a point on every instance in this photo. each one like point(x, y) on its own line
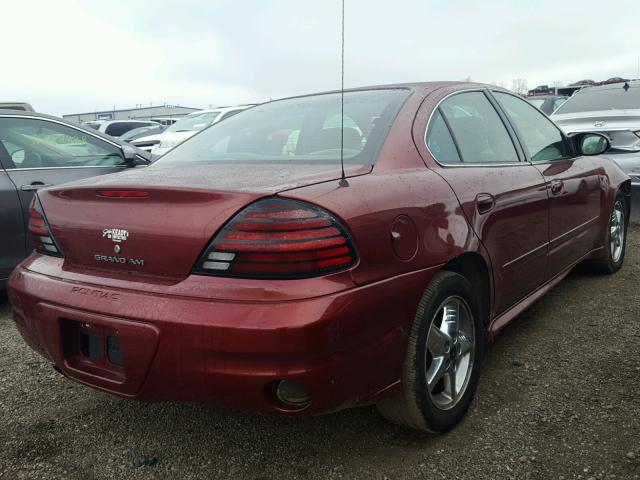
point(343, 179)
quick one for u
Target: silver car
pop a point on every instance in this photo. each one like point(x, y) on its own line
point(613, 110)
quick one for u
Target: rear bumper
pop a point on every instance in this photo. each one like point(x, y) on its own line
point(346, 347)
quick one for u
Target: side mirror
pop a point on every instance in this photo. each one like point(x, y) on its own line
point(592, 144)
point(132, 156)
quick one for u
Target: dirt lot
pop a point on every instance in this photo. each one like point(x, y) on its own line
point(559, 398)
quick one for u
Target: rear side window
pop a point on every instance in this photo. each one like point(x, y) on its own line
point(542, 139)
point(440, 142)
point(477, 129)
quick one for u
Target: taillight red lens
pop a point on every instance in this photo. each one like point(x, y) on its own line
point(38, 227)
point(277, 238)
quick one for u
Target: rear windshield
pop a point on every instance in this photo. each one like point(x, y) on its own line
point(609, 98)
point(303, 129)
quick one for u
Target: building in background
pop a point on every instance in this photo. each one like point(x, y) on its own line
point(140, 113)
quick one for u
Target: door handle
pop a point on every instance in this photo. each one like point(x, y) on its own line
point(32, 187)
point(484, 202)
point(556, 186)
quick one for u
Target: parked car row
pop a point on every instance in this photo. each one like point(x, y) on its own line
point(160, 143)
point(117, 128)
point(612, 110)
point(308, 254)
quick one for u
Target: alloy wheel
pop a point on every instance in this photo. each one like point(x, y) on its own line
point(450, 352)
point(616, 231)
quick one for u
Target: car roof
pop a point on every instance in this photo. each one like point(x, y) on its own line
point(424, 86)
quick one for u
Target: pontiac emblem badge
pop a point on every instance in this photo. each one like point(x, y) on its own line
point(116, 234)
point(117, 248)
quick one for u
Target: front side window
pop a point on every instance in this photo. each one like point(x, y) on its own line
point(303, 129)
point(478, 130)
point(542, 139)
point(35, 143)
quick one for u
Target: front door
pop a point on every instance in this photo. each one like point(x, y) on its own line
point(574, 184)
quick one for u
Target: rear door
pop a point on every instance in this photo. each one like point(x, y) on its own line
point(503, 197)
point(41, 152)
point(12, 243)
point(575, 185)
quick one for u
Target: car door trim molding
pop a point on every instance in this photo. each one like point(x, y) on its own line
point(525, 255)
point(511, 134)
point(554, 248)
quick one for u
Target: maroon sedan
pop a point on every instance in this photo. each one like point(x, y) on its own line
point(239, 271)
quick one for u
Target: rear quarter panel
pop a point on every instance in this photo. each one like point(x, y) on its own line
point(371, 204)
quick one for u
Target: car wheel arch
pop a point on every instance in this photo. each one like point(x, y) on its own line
point(474, 267)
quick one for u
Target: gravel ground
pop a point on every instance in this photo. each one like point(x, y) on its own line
point(559, 398)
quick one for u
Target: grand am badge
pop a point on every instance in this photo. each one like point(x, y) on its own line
point(138, 262)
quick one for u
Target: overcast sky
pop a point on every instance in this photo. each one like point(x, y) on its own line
point(72, 56)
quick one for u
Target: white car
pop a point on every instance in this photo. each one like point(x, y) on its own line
point(184, 128)
point(115, 128)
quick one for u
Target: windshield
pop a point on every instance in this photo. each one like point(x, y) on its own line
point(303, 129)
point(609, 98)
point(197, 122)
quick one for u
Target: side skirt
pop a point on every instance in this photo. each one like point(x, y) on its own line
point(504, 318)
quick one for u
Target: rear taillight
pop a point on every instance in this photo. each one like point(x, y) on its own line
point(278, 238)
point(38, 227)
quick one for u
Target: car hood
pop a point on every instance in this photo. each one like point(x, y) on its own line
point(147, 138)
point(618, 125)
point(175, 136)
point(612, 119)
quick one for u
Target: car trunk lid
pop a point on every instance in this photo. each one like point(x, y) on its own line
point(157, 221)
point(618, 125)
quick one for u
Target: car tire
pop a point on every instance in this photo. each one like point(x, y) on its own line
point(615, 238)
point(426, 401)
